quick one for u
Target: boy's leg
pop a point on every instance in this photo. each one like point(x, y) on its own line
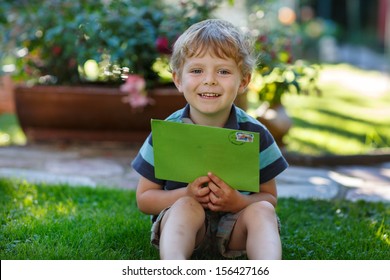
point(182, 228)
point(256, 230)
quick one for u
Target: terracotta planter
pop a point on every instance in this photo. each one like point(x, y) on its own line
point(276, 119)
point(88, 113)
point(6, 95)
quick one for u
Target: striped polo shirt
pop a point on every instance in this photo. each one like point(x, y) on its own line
point(272, 161)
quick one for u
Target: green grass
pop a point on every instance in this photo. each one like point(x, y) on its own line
point(60, 222)
point(315, 229)
point(10, 131)
point(351, 116)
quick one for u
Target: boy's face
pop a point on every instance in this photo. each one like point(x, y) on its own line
point(210, 85)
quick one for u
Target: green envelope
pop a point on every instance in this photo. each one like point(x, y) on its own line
point(184, 152)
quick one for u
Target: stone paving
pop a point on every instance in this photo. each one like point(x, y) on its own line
point(108, 165)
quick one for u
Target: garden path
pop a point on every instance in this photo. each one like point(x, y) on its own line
point(109, 165)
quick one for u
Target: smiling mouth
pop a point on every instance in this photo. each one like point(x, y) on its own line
point(209, 95)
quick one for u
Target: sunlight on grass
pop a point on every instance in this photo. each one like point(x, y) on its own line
point(65, 208)
point(314, 141)
point(337, 230)
point(10, 131)
point(383, 234)
point(39, 212)
point(351, 117)
point(367, 83)
point(61, 222)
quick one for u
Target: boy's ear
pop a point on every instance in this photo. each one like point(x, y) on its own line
point(176, 80)
point(244, 83)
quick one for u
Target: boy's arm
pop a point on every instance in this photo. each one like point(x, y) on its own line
point(226, 199)
point(152, 199)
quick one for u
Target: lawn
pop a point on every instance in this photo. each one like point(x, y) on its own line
point(61, 222)
point(10, 131)
point(351, 116)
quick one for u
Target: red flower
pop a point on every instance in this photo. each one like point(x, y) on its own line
point(56, 50)
point(262, 39)
point(162, 45)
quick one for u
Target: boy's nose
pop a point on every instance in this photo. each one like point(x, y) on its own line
point(210, 80)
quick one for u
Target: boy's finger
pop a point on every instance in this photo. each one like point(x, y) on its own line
point(204, 199)
point(213, 198)
point(216, 180)
point(203, 191)
point(202, 180)
point(216, 190)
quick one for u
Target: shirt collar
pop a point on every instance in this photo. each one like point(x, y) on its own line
point(231, 123)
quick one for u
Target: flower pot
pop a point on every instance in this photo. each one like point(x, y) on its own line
point(89, 113)
point(6, 95)
point(276, 119)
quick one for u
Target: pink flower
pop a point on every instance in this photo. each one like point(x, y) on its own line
point(134, 84)
point(135, 88)
point(162, 45)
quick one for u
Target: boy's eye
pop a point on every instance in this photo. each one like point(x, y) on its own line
point(196, 71)
point(224, 72)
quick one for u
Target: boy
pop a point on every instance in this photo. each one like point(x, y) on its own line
point(211, 64)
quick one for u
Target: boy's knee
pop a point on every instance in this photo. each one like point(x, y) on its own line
point(185, 209)
point(261, 209)
point(187, 203)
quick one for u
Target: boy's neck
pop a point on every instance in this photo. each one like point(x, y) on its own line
point(212, 120)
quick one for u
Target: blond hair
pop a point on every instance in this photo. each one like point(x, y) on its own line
point(220, 37)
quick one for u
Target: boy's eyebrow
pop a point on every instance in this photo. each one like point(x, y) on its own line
point(192, 64)
point(221, 64)
point(200, 65)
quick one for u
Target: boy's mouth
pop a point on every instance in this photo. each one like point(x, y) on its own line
point(209, 95)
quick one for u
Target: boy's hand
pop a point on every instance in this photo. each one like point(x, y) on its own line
point(222, 197)
point(199, 190)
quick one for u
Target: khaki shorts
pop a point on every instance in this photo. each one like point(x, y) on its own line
point(219, 227)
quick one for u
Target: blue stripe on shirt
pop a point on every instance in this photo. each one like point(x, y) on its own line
point(269, 155)
point(146, 152)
